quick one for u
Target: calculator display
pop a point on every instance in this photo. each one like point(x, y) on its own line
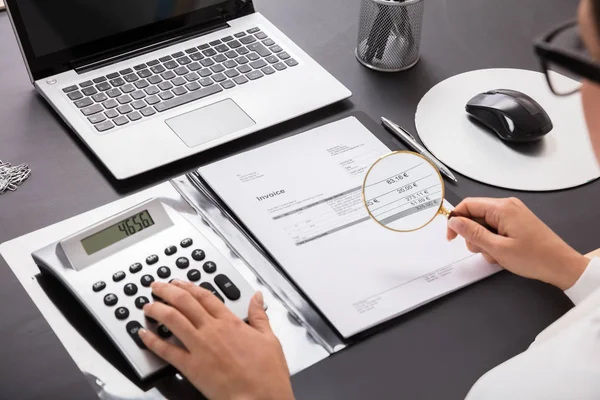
point(117, 232)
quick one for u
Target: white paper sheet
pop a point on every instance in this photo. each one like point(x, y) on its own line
point(301, 197)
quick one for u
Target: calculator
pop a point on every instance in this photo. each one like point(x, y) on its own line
point(110, 266)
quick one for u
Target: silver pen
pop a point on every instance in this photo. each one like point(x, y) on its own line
point(409, 140)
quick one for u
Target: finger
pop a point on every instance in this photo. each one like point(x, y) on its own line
point(257, 317)
point(476, 234)
point(213, 306)
point(472, 248)
point(169, 352)
point(489, 258)
point(172, 319)
point(182, 300)
point(450, 234)
point(485, 208)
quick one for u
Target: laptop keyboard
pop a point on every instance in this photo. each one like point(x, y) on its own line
point(159, 85)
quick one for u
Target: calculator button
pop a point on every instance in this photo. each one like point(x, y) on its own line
point(209, 267)
point(163, 332)
point(212, 289)
point(133, 328)
point(119, 276)
point(99, 286)
point(163, 272)
point(141, 301)
point(182, 263)
point(137, 267)
point(153, 259)
point(130, 289)
point(110, 299)
point(121, 313)
point(198, 255)
point(186, 242)
point(193, 275)
point(227, 287)
point(147, 280)
point(170, 250)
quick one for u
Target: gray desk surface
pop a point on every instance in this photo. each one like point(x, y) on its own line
point(436, 352)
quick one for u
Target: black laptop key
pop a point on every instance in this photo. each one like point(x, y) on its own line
point(219, 78)
point(240, 80)
point(215, 42)
point(99, 79)
point(258, 64)
point(86, 84)
point(152, 63)
point(206, 82)
point(128, 88)
point(152, 100)
point(253, 30)
point(279, 66)
point(209, 52)
point(228, 85)
point(272, 59)
point(138, 105)
point(193, 86)
point(103, 87)
point(148, 111)
point(111, 113)
point(95, 109)
point(268, 42)
point(268, 70)
point(232, 73)
point(207, 62)
point(189, 97)
point(179, 91)
point(70, 89)
point(117, 82)
point(291, 62)
point(165, 85)
point(231, 54)
point(145, 73)
point(126, 71)
point(236, 44)
point(276, 49)
point(222, 48)
point(192, 77)
point(114, 93)
point(168, 75)
point(253, 56)
point(124, 99)
point(86, 102)
point(217, 68)
point(192, 50)
point(260, 35)
point(205, 72)
point(227, 39)
point(166, 95)
point(104, 126)
point(203, 46)
point(142, 83)
point(139, 67)
point(283, 55)
point(184, 60)
point(134, 116)
point(171, 64)
point(179, 81)
point(75, 95)
point(244, 69)
point(194, 66)
point(114, 75)
point(165, 58)
point(125, 109)
point(242, 51)
point(254, 75)
point(181, 71)
point(197, 56)
point(227, 287)
point(242, 60)
point(96, 118)
point(178, 54)
point(138, 94)
point(122, 120)
point(108, 104)
point(248, 40)
point(155, 79)
point(158, 69)
point(240, 34)
point(260, 49)
point(219, 58)
point(152, 90)
point(100, 97)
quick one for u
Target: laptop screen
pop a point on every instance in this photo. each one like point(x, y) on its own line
point(57, 32)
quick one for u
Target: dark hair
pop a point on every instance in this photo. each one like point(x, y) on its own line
point(596, 12)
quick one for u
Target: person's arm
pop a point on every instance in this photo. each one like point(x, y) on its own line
point(587, 283)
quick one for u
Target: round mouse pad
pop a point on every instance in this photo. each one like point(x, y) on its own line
point(562, 159)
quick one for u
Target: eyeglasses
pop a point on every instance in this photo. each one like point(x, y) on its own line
point(565, 59)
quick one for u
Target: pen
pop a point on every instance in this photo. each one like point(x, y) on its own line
point(408, 139)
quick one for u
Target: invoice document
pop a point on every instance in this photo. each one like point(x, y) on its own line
point(301, 198)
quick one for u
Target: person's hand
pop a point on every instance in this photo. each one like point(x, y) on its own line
point(524, 245)
point(225, 358)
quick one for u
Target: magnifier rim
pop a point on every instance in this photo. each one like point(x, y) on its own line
point(364, 197)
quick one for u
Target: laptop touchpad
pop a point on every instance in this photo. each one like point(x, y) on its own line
point(210, 122)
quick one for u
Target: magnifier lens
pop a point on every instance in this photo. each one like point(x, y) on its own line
point(403, 191)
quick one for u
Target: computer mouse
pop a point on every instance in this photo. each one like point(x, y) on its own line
point(512, 115)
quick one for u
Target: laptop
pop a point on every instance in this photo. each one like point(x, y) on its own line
point(144, 83)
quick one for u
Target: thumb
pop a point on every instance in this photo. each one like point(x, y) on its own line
point(474, 233)
point(257, 317)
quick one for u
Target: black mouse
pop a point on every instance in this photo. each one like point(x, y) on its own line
point(512, 115)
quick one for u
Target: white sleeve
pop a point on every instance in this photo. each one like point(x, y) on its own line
point(587, 283)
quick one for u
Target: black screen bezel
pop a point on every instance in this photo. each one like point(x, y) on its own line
point(55, 63)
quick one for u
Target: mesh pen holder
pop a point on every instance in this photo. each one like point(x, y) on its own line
point(389, 36)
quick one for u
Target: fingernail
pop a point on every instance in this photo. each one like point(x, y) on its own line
point(456, 224)
point(156, 284)
point(259, 298)
point(142, 332)
point(177, 282)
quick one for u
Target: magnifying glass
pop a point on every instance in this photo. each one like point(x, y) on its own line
point(403, 191)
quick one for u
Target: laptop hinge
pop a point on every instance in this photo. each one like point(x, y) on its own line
point(136, 49)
